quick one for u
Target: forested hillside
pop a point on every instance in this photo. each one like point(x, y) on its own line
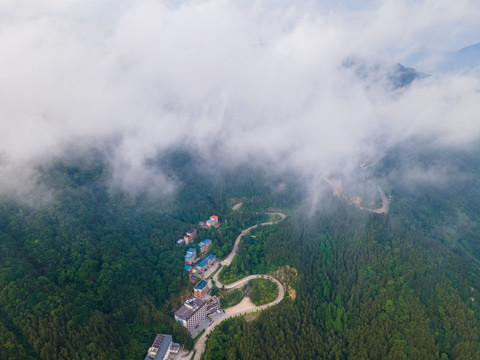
point(399, 286)
point(94, 273)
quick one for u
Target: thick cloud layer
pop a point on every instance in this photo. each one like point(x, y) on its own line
point(261, 81)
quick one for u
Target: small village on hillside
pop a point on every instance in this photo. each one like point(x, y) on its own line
point(199, 311)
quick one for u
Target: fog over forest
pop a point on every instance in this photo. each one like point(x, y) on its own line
point(303, 86)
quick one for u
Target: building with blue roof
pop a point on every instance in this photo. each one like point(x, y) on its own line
point(202, 264)
point(211, 258)
point(206, 262)
point(201, 285)
point(205, 245)
point(201, 289)
point(187, 267)
point(189, 258)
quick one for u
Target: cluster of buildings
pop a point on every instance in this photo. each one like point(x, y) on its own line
point(213, 221)
point(162, 347)
point(196, 310)
point(196, 269)
point(190, 235)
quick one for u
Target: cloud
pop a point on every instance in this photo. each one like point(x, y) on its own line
point(262, 81)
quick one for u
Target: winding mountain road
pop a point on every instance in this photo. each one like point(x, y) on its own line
point(228, 260)
point(337, 191)
point(245, 306)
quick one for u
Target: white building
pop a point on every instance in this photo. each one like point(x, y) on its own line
point(192, 313)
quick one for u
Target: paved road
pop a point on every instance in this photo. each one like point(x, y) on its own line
point(337, 190)
point(385, 203)
point(245, 306)
point(236, 206)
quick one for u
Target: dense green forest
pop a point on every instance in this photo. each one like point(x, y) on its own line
point(95, 272)
point(404, 285)
point(251, 257)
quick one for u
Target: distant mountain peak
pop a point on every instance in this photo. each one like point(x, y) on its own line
point(463, 60)
point(393, 76)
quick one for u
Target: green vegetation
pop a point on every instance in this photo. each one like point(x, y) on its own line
point(404, 285)
point(229, 298)
point(228, 274)
point(250, 258)
point(95, 272)
point(274, 218)
point(263, 291)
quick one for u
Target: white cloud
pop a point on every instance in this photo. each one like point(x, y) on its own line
point(258, 80)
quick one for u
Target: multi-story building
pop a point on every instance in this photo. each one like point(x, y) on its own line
point(214, 218)
point(192, 313)
point(189, 258)
point(192, 233)
point(202, 265)
point(205, 245)
point(190, 236)
point(213, 221)
point(211, 259)
point(160, 348)
point(206, 262)
point(201, 289)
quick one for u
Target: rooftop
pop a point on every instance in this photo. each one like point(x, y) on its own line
point(191, 250)
point(204, 242)
point(187, 267)
point(201, 285)
point(191, 231)
point(190, 308)
point(211, 257)
point(203, 262)
point(160, 346)
point(188, 255)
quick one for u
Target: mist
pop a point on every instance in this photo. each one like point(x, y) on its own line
point(263, 82)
